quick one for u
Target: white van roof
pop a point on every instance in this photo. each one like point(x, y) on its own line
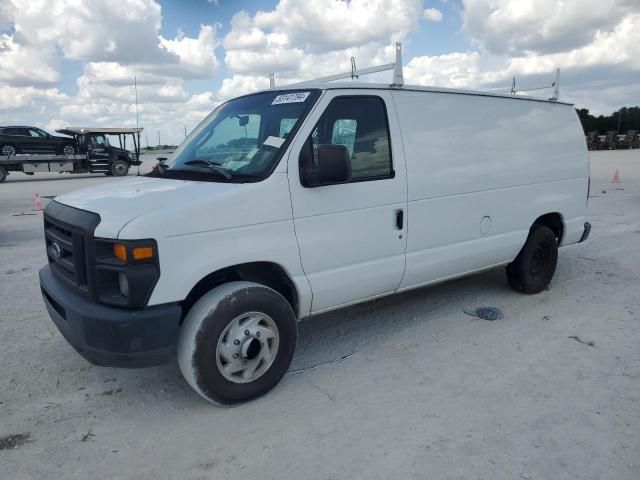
point(412, 88)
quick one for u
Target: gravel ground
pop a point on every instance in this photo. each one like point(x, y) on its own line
point(429, 393)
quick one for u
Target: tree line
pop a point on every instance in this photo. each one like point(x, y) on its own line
point(620, 121)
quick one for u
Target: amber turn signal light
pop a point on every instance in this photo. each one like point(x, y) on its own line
point(120, 251)
point(142, 253)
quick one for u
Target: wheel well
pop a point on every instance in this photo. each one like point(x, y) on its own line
point(554, 222)
point(268, 274)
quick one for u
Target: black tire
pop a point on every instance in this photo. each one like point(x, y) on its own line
point(68, 149)
point(532, 270)
point(3, 174)
point(119, 168)
point(8, 150)
point(207, 324)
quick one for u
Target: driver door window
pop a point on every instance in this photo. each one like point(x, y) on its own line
point(98, 141)
point(360, 124)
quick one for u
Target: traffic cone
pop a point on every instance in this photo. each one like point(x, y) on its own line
point(37, 202)
point(616, 177)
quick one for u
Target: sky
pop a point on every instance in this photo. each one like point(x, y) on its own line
point(73, 62)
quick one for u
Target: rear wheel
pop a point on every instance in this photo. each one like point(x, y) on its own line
point(532, 270)
point(119, 168)
point(3, 174)
point(7, 150)
point(237, 342)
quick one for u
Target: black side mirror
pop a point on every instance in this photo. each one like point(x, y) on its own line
point(333, 166)
point(160, 166)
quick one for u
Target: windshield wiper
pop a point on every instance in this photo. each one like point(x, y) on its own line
point(213, 166)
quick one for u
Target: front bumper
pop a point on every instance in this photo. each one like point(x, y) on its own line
point(110, 336)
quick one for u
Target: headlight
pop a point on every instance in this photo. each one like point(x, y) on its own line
point(123, 284)
point(126, 271)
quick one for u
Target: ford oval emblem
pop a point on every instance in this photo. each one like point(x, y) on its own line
point(56, 251)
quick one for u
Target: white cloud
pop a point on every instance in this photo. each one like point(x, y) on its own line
point(542, 26)
point(82, 30)
point(601, 74)
point(272, 59)
point(98, 32)
point(20, 97)
point(244, 34)
point(25, 65)
point(459, 70)
point(321, 26)
point(6, 15)
point(241, 84)
point(196, 55)
point(433, 15)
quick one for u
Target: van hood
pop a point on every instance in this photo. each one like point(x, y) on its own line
point(120, 202)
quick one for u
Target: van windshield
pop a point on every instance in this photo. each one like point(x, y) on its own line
point(242, 140)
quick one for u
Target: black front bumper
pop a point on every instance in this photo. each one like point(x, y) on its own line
point(109, 336)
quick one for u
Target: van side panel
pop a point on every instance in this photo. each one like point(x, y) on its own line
point(480, 170)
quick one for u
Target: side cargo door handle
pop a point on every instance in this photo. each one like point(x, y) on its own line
point(399, 219)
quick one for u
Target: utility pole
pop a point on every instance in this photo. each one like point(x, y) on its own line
point(146, 135)
point(158, 137)
point(135, 87)
point(619, 119)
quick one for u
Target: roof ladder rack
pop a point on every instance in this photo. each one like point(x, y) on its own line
point(398, 78)
point(556, 87)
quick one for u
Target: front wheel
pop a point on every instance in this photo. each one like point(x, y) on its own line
point(119, 168)
point(237, 342)
point(7, 150)
point(532, 270)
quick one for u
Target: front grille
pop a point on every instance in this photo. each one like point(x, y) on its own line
point(65, 249)
point(69, 235)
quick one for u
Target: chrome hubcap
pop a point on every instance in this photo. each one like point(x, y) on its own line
point(247, 347)
point(120, 169)
point(68, 150)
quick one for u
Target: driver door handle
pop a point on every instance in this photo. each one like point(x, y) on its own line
point(399, 219)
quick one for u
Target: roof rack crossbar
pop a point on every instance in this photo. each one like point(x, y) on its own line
point(396, 66)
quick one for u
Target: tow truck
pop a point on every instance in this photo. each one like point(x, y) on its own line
point(95, 154)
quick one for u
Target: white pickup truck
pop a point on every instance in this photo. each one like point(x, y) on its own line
point(290, 202)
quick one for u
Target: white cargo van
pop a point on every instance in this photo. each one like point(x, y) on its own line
point(294, 201)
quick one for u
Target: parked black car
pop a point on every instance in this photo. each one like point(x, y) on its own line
point(21, 139)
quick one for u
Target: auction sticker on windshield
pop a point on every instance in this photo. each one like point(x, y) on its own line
point(297, 97)
point(273, 142)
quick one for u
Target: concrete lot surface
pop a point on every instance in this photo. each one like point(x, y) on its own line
point(430, 393)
